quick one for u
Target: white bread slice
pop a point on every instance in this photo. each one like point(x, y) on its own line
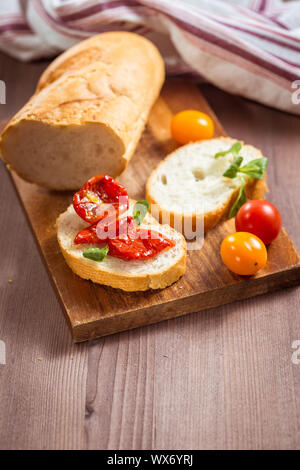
point(88, 112)
point(190, 179)
point(138, 275)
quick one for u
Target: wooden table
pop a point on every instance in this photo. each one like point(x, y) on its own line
point(218, 379)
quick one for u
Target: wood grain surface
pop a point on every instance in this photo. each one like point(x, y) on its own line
point(93, 311)
point(219, 379)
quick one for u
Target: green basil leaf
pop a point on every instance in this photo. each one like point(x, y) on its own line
point(96, 254)
point(241, 199)
point(255, 168)
point(234, 149)
point(234, 168)
point(140, 210)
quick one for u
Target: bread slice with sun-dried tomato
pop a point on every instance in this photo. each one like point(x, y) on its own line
point(135, 275)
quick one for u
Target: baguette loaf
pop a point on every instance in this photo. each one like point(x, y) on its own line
point(137, 275)
point(190, 179)
point(88, 112)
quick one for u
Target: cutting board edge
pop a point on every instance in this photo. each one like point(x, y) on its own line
point(272, 283)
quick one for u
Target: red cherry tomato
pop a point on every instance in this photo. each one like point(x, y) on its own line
point(191, 125)
point(260, 218)
point(96, 191)
point(243, 253)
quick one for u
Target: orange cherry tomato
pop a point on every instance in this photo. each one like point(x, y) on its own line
point(243, 253)
point(191, 125)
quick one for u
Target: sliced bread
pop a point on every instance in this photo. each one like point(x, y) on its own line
point(88, 112)
point(189, 184)
point(137, 275)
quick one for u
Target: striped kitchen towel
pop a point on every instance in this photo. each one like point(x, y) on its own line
point(247, 47)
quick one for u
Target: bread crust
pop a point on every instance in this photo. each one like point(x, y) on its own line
point(111, 79)
point(255, 189)
point(126, 281)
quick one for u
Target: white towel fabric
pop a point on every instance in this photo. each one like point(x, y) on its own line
point(247, 47)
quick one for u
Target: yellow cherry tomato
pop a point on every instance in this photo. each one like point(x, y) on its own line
point(243, 253)
point(191, 125)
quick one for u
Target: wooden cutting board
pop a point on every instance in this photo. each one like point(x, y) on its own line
point(92, 310)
